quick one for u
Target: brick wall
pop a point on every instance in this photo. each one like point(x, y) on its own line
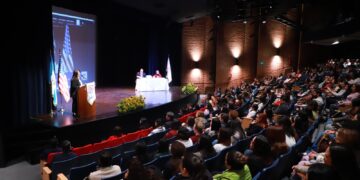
point(253, 44)
point(196, 46)
point(277, 48)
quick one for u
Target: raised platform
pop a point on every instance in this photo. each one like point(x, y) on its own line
point(89, 130)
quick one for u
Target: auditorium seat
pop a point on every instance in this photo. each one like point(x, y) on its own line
point(58, 167)
point(212, 163)
point(129, 145)
point(267, 173)
point(114, 151)
point(88, 158)
point(51, 157)
point(82, 171)
point(117, 159)
point(83, 150)
point(159, 162)
point(126, 158)
point(152, 148)
point(153, 138)
point(132, 136)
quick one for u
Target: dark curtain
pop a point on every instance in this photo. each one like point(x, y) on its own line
point(24, 71)
point(30, 49)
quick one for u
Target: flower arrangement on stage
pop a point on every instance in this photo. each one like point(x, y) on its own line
point(131, 103)
point(189, 88)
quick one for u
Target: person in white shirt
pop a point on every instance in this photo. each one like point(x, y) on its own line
point(106, 169)
point(252, 111)
point(184, 137)
point(224, 139)
point(158, 127)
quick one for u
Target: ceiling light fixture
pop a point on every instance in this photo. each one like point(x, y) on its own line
point(335, 42)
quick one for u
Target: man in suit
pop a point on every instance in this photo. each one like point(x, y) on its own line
point(140, 74)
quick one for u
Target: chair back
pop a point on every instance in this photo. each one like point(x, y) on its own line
point(62, 167)
point(82, 171)
point(88, 158)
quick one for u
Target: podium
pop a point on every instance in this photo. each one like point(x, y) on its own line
point(85, 108)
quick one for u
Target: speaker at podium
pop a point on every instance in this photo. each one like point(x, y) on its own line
point(86, 100)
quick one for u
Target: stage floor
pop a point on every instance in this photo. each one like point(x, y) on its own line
point(106, 101)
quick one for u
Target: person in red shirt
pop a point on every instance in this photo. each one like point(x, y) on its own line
point(157, 74)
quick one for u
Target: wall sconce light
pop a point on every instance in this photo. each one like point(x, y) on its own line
point(236, 61)
point(196, 63)
point(278, 51)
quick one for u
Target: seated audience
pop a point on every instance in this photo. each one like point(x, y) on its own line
point(342, 159)
point(224, 139)
point(117, 132)
point(53, 147)
point(259, 155)
point(141, 153)
point(205, 149)
point(193, 168)
point(105, 169)
point(158, 127)
point(236, 167)
point(175, 125)
point(183, 137)
point(66, 152)
point(163, 148)
point(172, 167)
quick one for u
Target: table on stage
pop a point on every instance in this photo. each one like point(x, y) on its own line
point(152, 84)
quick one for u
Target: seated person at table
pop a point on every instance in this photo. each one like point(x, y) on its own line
point(157, 74)
point(140, 74)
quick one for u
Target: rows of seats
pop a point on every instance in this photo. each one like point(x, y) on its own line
point(281, 166)
point(121, 148)
point(89, 153)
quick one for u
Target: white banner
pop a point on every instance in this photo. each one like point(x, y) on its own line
point(91, 96)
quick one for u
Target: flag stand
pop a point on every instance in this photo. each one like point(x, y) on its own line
point(61, 109)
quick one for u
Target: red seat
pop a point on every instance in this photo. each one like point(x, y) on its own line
point(145, 132)
point(83, 150)
point(100, 146)
point(51, 156)
point(132, 136)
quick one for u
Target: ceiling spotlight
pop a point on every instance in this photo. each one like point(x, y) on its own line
point(270, 6)
point(218, 16)
point(263, 21)
point(244, 21)
point(335, 42)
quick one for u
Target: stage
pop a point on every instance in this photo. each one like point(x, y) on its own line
point(81, 131)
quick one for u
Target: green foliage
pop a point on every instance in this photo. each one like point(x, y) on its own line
point(189, 89)
point(131, 103)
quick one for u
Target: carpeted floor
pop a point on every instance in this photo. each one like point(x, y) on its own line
point(20, 170)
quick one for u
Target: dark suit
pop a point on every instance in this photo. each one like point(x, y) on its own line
point(138, 74)
point(75, 84)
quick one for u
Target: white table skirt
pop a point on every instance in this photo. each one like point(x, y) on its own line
point(152, 84)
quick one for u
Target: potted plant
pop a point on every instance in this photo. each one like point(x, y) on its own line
point(131, 103)
point(189, 89)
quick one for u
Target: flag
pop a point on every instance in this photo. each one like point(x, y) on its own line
point(67, 53)
point(168, 70)
point(53, 80)
point(63, 82)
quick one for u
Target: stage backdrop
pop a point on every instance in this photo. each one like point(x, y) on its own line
point(74, 39)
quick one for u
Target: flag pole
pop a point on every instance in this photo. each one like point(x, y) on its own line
point(61, 109)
